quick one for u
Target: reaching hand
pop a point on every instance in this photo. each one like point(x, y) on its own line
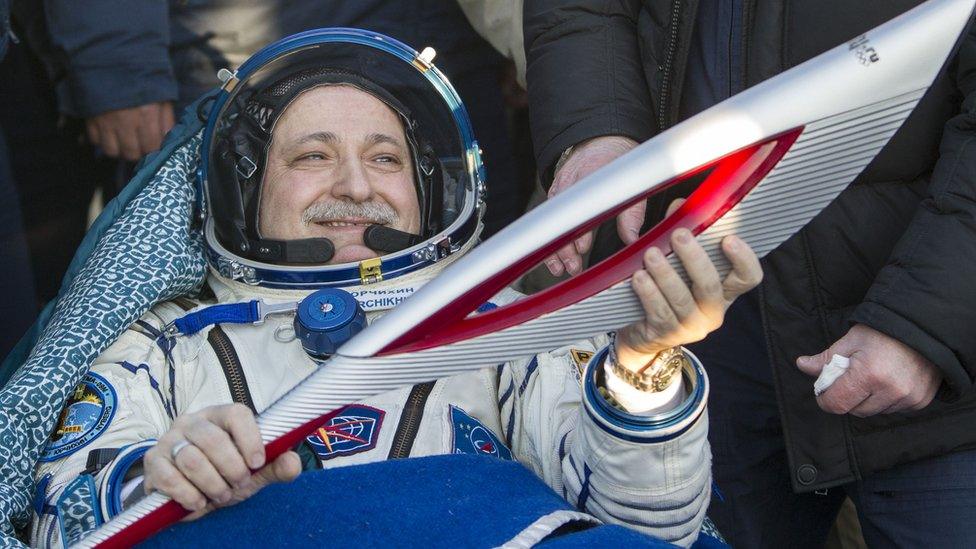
point(884, 375)
point(586, 158)
point(674, 314)
point(214, 469)
point(131, 133)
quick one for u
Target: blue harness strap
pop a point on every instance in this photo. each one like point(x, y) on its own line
point(232, 313)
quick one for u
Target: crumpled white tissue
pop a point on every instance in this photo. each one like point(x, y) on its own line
point(833, 370)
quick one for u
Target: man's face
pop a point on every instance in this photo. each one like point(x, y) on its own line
point(338, 163)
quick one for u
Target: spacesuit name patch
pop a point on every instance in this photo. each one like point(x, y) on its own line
point(87, 415)
point(472, 437)
point(381, 299)
point(355, 430)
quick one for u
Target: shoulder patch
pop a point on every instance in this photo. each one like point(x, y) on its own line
point(472, 437)
point(355, 430)
point(580, 359)
point(87, 415)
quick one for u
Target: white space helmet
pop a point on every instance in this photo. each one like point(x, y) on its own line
point(449, 175)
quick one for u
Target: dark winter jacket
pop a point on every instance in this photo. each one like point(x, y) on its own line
point(895, 251)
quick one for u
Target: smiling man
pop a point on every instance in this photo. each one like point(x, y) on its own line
point(335, 183)
point(322, 177)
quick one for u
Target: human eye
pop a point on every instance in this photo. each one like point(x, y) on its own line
point(310, 160)
point(387, 161)
point(312, 156)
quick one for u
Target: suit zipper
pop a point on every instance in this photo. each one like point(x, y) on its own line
point(413, 412)
point(231, 365)
point(668, 64)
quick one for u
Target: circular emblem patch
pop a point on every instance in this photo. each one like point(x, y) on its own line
point(88, 413)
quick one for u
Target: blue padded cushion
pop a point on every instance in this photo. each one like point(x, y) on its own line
point(439, 501)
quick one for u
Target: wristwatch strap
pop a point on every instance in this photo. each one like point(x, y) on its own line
point(655, 376)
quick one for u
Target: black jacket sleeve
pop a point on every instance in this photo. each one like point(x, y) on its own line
point(584, 74)
point(115, 53)
point(926, 294)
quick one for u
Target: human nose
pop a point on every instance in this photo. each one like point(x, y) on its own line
point(353, 183)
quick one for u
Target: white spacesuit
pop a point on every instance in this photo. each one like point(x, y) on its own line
point(529, 410)
point(639, 458)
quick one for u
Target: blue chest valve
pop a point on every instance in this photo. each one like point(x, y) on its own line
point(326, 319)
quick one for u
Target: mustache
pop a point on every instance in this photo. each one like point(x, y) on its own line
point(375, 212)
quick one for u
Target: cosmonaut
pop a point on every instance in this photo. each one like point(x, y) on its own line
point(344, 161)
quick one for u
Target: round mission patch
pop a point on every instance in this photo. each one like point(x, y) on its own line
point(89, 412)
